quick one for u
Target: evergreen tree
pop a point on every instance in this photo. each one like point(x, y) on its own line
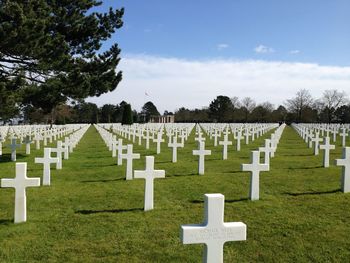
point(127, 115)
point(52, 46)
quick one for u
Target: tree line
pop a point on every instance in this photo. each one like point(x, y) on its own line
point(87, 112)
point(333, 106)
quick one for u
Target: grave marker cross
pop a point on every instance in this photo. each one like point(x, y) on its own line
point(225, 143)
point(255, 168)
point(159, 140)
point(326, 147)
point(13, 147)
point(59, 150)
point(214, 232)
point(175, 145)
point(343, 135)
point(149, 175)
point(202, 153)
point(129, 156)
point(20, 183)
point(47, 160)
point(345, 162)
point(317, 141)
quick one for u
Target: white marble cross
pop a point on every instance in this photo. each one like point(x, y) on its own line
point(27, 141)
point(182, 136)
point(343, 135)
point(120, 149)
point(214, 232)
point(149, 175)
point(201, 153)
point(66, 145)
point(20, 183)
point(334, 132)
point(317, 141)
point(129, 156)
point(267, 150)
point(246, 134)
point(46, 161)
point(159, 140)
point(238, 137)
point(255, 168)
point(345, 162)
point(174, 144)
point(59, 150)
point(326, 147)
point(216, 135)
point(13, 147)
point(225, 143)
point(114, 144)
point(37, 138)
point(199, 138)
point(147, 137)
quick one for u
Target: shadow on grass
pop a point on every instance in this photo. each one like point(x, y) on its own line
point(97, 165)
point(180, 175)
point(6, 157)
point(313, 193)
point(311, 154)
point(103, 180)
point(226, 200)
point(233, 172)
point(304, 168)
point(6, 221)
point(164, 162)
point(89, 212)
point(215, 159)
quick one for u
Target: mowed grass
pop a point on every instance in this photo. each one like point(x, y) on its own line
point(91, 214)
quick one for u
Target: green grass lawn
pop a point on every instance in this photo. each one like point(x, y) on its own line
point(91, 214)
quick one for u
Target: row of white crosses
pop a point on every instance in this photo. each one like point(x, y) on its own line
point(304, 130)
point(151, 132)
point(214, 232)
point(21, 181)
point(25, 133)
point(117, 147)
point(149, 174)
point(215, 131)
point(255, 167)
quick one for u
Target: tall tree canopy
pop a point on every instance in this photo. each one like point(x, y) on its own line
point(221, 108)
point(148, 110)
point(300, 104)
point(52, 46)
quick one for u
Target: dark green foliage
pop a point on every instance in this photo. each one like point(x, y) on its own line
point(127, 115)
point(342, 114)
point(107, 112)
point(8, 98)
point(52, 46)
point(148, 110)
point(87, 113)
point(220, 109)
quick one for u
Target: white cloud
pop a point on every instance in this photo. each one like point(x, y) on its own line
point(261, 49)
point(172, 83)
point(147, 30)
point(222, 46)
point(294, 52)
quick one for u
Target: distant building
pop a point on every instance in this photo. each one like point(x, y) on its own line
point(162, 119)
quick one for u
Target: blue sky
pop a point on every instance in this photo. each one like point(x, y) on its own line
point(313, 32)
